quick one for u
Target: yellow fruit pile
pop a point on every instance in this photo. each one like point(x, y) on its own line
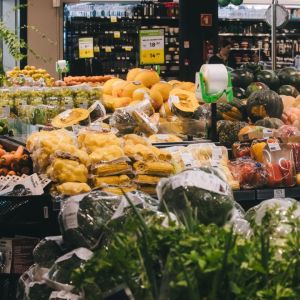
point(98, 160)
point(31, 72)
point(141, 84)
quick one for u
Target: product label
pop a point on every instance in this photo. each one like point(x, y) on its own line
point(267, 133)
point(117, 34)
point(279, 193)
point(274, 146)
point(70, 211)
point(152, 47)
point(217, 156)
point(86, 48)
point(188, 159)
point(202, 180)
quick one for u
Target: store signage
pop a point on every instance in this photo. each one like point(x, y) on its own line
point(86, 48)
point(206, 20)
point(152, 47)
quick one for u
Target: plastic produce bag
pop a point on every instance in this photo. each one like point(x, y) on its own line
point(249, 173)
point(238, 221)
point(59, 276)
point(31, 285)
point(241, 150)
point(296, 155)
point(279, 210)
point(205, 188)
point(62, 295)
point(280, 165)
point(83, 218)
point(288, 134)
point(48, 250)
point(123, 120)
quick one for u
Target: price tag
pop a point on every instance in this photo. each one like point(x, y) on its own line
point(279, 193)
point(86, 48)
point(117, 34)
point(152, 47)
point(128, 49)
point(274, 146)
point(216, 156)
point(267, 133)
point(96, 49)
point(113, 19)
point(107, 49)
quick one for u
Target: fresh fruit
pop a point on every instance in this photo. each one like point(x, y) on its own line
point(133, 73)
point(270, 123)
point(288, 90)
point(140, 94)
point(163, 88)
point(156, 99)
point(108, 85)
point(288, 101)
point(263, 104)
point(290, 76)
point(148, 78)
point(236, 2)
point(118, 87)
point(129, 88)
point(185, 104)
point(269, 78)
point(71, 117)
point(254, 87)
point(223, 3)
point(241, 78)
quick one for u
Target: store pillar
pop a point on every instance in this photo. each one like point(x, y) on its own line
point(199, 34)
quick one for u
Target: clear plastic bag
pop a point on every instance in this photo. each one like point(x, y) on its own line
point(48, 250)
point(280, 210)
point(279, 165)
point(241, 150)
point(83, 218)
point(59, 277)
point(249, 173)
point(207, 191)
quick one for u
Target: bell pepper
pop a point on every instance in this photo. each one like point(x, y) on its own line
point(286, 168)
point(274, 174)
point(257, 151)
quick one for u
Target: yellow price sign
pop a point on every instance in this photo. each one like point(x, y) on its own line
point(117, 34)
point(113, 19)
point(152, 47)
point(107, 49)
point(86, 48)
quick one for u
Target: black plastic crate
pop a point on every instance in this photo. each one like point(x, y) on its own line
point(8, 286)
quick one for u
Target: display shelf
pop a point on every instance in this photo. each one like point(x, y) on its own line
point(245, 34)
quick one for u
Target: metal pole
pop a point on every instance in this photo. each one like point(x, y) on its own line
point(274, 46)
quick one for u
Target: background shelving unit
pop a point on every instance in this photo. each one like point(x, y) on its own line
point(246, 27)
point(117, 53)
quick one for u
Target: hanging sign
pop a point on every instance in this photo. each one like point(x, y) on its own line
point(152, 47)
point(86, 48)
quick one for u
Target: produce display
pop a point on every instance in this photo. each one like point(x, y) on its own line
point(30, 77)
point(91, 80)
point(40, 105)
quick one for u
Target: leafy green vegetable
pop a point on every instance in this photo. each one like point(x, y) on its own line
point(211, 206)
point(195, 261)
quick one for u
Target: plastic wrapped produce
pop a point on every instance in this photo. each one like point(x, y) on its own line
point(205, 188)
point(249, 173)
point(288, 134)
point(241, 150)
point(59, 276)
point(31, 285)
point(62, 295)
point(296, 155)
point(238, 221)
point(280, 210)
point(280, 167)
point(48, 250)
point(83, 218)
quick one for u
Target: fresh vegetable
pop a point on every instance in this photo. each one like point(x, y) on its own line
point(7, 158)
point(257, 149)
point(263, 104)
point(228, 131)
point(269, 123)
point(274, 174)
point(254, 87)
point(269, 78)
point(288, 90)
point(212, 203)
point(290, 76)
point(241, 78)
